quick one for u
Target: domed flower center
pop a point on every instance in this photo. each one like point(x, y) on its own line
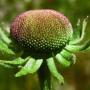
point(41, 30)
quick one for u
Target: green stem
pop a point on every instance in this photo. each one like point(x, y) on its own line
point(45, 77)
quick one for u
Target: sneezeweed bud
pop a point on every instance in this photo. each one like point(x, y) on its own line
point(41, 30)
point(47, 36)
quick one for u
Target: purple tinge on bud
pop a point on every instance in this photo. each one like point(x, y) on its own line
point(41, 30)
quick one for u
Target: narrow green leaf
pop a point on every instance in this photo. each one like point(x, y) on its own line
point(5, 52)
point(27, 68)
point(79, 32)
point(53, 70)
point(68, 55)
point(36, 66)
point(62, 60)
point(4, 37)
point(5, 65)
point(17, 61)
point(76, 48)
point(84, 24)
point(31, 67)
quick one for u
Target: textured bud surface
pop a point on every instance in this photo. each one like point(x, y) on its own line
point(41, 30)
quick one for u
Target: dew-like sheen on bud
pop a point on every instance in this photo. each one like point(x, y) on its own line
point(41, 30)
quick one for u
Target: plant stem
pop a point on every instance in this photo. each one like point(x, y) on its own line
point(45, 77)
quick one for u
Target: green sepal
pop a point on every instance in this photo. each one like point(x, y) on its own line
point(5, 52)
point(5, 28)
point(62, 60)
point(31, 67)
point(68, 55)
point(53, 70)
point(77, 48)
point(79, 32)
point(36, 66)
point(5, 65)
point(17, 61)
point(4, 37)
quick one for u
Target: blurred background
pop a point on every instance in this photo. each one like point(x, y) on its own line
point(77, 77)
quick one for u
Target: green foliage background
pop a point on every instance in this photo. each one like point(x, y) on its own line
point(77, 77)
